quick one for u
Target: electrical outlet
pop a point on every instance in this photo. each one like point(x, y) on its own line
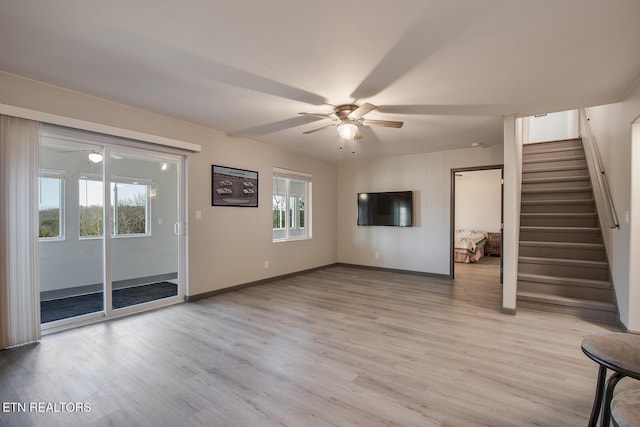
point(266, 264)
point(377, 255)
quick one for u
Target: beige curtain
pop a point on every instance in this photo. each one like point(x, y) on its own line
point(19, 273)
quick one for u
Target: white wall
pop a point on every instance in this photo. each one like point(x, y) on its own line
point(424, 247)
point(228, 246)
point(634, 230)
point(551, 127)
point(479, 200)
point(611, 125)
point(513, 131)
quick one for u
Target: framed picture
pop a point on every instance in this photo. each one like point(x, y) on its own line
point(233, 187)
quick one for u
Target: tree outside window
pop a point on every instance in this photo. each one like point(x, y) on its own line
point(51, 206)
point(129, 208)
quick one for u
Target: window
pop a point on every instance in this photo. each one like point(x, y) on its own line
point(91, 205)
point(130, 212)
point(129, 207)
point(50, 205)
point(291, 205)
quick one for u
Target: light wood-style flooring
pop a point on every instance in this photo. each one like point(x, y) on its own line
point(342, 346)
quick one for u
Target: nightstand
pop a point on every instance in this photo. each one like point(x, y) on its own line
point(494, 241)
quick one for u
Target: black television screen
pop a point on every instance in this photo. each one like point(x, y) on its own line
point(393, 208)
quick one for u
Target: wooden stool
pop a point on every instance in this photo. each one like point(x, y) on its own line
point(619, 352)
point(625, 409)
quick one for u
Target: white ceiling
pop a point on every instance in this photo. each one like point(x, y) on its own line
point(448, 68)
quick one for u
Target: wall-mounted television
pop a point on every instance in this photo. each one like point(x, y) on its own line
point(392, 208)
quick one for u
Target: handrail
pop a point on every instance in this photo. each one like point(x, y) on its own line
point(596, 166)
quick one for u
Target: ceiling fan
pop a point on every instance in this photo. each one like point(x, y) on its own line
point(93, 155)
point(348, 119)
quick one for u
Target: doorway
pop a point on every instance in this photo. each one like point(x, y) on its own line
point(476, 221)
point(98, 263)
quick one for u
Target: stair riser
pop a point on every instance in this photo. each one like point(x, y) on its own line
point(558, 221)
point(552, 185)
point(527, 166)
point(583, 313)
point(578, 194)
point(563, 253)
point(552, 145)
point(553, 154)
point(568, 291)
point(571, 237)
point(533, 173)
point(558, 208)
point(578, 272)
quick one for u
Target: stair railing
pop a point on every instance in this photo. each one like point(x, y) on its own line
point(597, 172)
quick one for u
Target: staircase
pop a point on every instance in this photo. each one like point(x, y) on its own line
point(562, 266)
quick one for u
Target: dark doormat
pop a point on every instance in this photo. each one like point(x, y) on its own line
point(64, 308)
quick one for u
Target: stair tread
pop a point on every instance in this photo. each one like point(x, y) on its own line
point(554, 169)
point(559, 229)
point(564, 261)
point(560, 214)
point(559, 202)
point(574, 245)
point(558, 190)
point(567, 301)
point(571, 281)
point(554, 159)
point(527, 151)
point(556, 179)
point(541, 143)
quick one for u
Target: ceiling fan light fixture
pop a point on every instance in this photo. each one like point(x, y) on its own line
point(95, 157)
point(347, 130)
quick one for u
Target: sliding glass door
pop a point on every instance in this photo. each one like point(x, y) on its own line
point(145, 243)
point(71, 223)
point(110, 229)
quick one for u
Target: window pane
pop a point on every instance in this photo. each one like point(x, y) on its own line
point(296, 207)
point(49, 207)
point(131, 214)
point(279, 216)
point(90, 201)
point(291, 197)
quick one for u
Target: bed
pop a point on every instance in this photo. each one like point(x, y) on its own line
point(469, 245)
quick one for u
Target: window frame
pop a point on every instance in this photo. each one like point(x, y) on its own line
point(147, 206)
point(147, 183)
point(291, 217)
point(61, 176)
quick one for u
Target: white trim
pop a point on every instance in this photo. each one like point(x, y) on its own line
point(288, 176)
point(55, 119)
point(288, 173)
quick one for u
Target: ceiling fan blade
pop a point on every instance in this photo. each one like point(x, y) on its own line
point(362, 110)
point(429, 33)
point(450, 110)
point(383, 123)
point(322, 116)
point(318, 129)
point(274, 127)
